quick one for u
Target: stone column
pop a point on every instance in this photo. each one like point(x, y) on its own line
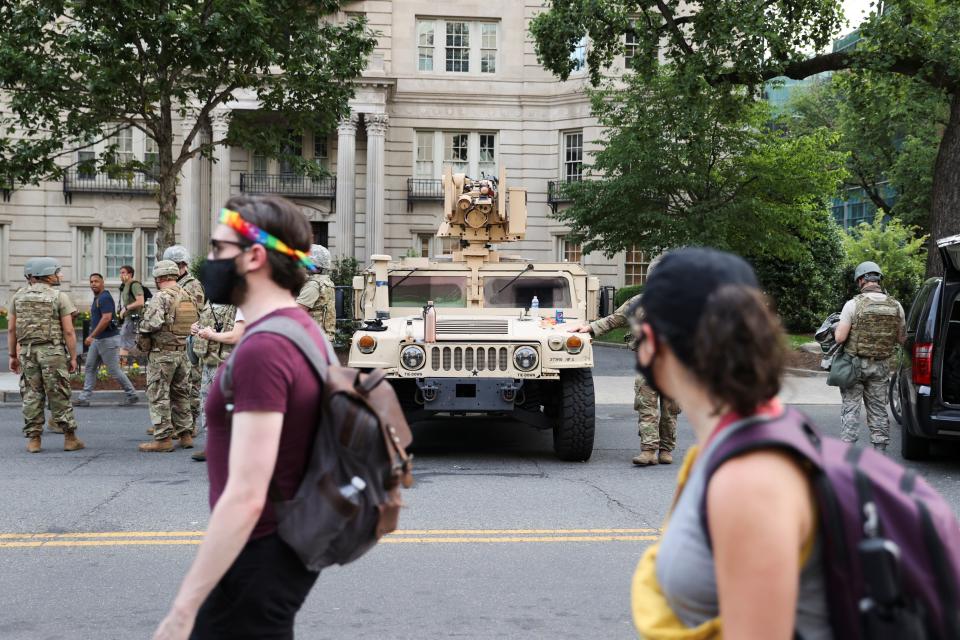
point(346, 185)
point(190, 196)
point(220, 171)
point(376, 133)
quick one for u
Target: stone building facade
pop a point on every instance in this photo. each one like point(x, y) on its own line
point(455, 84)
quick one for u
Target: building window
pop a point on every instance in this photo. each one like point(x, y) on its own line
point(86, 165)
point(568, 251)
point(457, 151)
point(488, 154)
point(425, 45)
point(631, 47)
point(151, 158)
point(293, 147)
point(424, 159)
point(123, 153)
point(573, 156)
point(321, 232)
point(119, 252)
point(424, 240)
point(488, 47)
point(579, 55)
point(85, 253)
point(4, 250)
point(320, 156)
point(458, 47)
point(838, 214)
point(149, 253)
point(635, 267)
point(448, 245)
point(259, 164)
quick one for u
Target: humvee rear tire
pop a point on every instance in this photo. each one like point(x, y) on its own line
point(576, 416)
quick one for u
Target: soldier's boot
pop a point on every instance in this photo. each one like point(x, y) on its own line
point(200, 456)
point(33, 444)
point(53, 427)
point(164, 445)
point(646, 458)
point(186, 441)
point(665, 457)
point(71, 442)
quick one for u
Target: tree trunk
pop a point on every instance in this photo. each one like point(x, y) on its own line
point(945, 209)
point(167, 180)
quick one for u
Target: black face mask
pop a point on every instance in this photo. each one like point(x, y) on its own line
point(220, 280)
point(647, 372)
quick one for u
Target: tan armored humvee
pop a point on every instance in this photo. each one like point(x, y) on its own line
point(490, 352)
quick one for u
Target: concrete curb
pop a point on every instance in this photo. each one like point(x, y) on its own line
point(98, 399)
point(610, 345)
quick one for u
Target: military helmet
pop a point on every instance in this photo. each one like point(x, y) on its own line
point(177, 253)
point(320, 256)
point(29, 267)
point(866, 267)
point(44, 267)
point(166, 268)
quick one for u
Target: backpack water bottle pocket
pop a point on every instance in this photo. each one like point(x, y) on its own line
point(314, 519)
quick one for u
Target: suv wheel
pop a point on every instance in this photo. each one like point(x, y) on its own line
point(893, 395)
point(913, 447)
point(575, 420)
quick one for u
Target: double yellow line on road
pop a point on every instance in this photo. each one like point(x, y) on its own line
point(407, 536)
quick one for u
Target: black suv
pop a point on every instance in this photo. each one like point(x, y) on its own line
point(927, 382)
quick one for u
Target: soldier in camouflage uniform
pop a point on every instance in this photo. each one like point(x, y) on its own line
point(41, 325)
point(179, 254)
point(870, 328)
point(657, 415)
point(318, 295)
point(164, 328)
point(219, 329)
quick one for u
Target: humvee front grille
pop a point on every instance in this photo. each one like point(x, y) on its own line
point(473, 326)
point(467, 359)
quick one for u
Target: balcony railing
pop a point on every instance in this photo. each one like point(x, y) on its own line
point(556, 195)
point(423, 189)
point(291, 185)
point(94, 182)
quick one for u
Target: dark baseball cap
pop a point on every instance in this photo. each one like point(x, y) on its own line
point(678, 289)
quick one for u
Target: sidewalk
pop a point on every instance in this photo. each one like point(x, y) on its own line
point(10, 393)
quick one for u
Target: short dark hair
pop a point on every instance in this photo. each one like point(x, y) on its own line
point(281, 218)
point(128, 268)
point(96, 274)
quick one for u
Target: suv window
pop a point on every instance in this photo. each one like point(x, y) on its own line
point(553, 292)
point(416, 291)
point(921, 305)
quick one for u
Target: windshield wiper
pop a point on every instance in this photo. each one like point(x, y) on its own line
point(400, 281)
point(515, 278)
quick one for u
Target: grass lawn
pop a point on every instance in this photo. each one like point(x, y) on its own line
point(797, 339)
point(615, 336)
point(3, 323)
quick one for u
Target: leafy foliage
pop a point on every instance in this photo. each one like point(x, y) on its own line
point(896, 248)
point(343, 269)
point(625, 293)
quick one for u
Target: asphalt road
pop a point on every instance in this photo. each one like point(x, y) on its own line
point(498, 540)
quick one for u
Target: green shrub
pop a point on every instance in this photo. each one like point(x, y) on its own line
point(895, 247)
point(625, 293)
point(195, 265)
point(343, 269)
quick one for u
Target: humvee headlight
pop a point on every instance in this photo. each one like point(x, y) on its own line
point(574, 344)
point(525, 358)
point(366, 344)
point(412, 357)
point(555, 343)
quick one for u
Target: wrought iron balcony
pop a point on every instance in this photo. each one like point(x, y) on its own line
point(556, 195)
point(423, 189)
point(290, 185)
point(79, 181)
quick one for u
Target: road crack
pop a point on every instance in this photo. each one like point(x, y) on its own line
point(610, 499)
point(86, 462)
point(113, 496)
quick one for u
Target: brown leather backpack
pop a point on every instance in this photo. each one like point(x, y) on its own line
point(350, 493)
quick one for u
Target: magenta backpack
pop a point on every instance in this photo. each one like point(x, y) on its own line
point(891, 543)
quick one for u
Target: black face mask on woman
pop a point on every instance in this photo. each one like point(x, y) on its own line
point(220, 280)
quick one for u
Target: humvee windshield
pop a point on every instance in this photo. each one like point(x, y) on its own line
point(416, 291)
point(553, 292)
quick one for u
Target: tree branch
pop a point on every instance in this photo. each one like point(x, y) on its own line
point(672, 25)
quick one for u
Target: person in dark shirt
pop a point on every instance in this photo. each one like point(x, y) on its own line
point(245, 582)
point(103, 345)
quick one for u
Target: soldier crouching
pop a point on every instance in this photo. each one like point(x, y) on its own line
point(164, 328)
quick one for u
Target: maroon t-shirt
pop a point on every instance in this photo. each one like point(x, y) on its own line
point(269, 374)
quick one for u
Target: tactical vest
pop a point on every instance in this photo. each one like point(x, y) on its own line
point(172, 335)
point(875, 329)
point(324, 310)
point(37, 319)
point(222, 318)
point(192, 286)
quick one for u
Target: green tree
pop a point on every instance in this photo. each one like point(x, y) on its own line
point(896, 248)
point(678, 168)
point(73, 73)
point(889, 127)
point(732, 44)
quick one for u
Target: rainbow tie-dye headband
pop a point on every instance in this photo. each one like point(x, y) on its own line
point(254, 233)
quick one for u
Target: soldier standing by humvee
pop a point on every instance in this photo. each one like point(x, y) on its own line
point(179, 254)
point(164, 328)
point(318, 294)
point(41, 325)
point(870, 328)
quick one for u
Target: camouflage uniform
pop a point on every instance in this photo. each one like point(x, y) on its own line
point(193, 287)
point(657, 415)
point(222, 317)
point(38, 310)
point(874, 333)
point(318, 296)
point(168, 370)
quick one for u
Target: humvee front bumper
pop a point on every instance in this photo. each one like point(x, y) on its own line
point(468, 394)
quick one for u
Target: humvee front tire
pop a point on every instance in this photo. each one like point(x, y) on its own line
point(575, 416)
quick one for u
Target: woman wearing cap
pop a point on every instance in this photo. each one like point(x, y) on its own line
point(710, 341)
